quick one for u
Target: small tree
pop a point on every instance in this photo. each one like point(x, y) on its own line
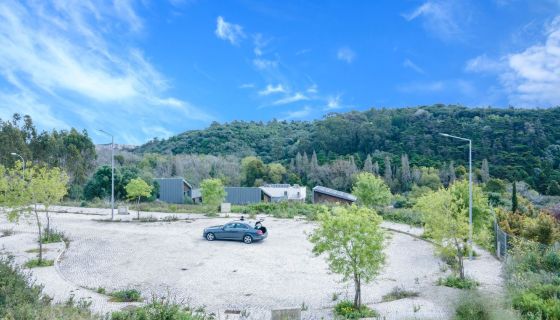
point(48, 185)
point(446, 219)
point(371, 191)
point(136, 189)
point(353, 241)
point(213, 192)
point(514, 203)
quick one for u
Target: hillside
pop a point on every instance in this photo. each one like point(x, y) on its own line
point(521, 144)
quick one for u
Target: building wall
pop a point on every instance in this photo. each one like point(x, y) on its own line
point(172, 190)
point(319, 197)
point(243, 195)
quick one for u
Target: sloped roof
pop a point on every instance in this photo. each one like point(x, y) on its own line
point(177, 178)
point(335, 193)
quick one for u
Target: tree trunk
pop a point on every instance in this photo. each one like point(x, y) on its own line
point(138, 208)
point(40, 258)
point(358, 292)
point(461, 264)
point(48, 229)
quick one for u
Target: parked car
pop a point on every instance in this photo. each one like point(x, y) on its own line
point(236, 230)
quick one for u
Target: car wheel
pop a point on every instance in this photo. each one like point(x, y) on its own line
point(210, 237)
point(247, 239)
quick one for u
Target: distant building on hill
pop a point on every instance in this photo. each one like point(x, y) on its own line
point(328, 195)
point(283, 192)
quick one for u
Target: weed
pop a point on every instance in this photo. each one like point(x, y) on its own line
point(399, 293)
point(346, 310)
point(335, 296)
point(454, 281)
point(128, 295)
point(101, 290)
point(6, 233)
point(34, 263)
point(416, 307)
point(304, 307)
point(52, 236)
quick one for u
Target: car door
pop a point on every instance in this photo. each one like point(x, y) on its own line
point(228, 232)
point(240, 230)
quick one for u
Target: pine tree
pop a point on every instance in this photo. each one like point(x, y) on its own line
point(406, 176)
point(314, 177)
point(484, 171)
point(375, 168)
point(514, 205)
point(452, 176)
point(368, 165)
point(388, 174)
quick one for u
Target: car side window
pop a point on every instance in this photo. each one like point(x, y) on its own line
point(241, 226)
point(230, 225)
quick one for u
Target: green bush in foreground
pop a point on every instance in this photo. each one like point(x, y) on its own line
point(161, 309)
point(128, 295)
point(36, 263)
point(21, 299)
point(346, 310)
point(473, 306)
point(457, 282)
point(52, 236)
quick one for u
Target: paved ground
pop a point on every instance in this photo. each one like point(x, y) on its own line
point(171, 257)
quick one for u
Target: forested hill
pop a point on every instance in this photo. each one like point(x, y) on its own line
point(522, 144)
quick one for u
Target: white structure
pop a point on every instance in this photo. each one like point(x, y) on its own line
point(283, 192)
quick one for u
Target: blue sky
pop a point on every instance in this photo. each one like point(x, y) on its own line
point(144, 69)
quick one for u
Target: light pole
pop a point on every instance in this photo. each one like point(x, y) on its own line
point(22, 161)
point(470, 191)
point(112, 172)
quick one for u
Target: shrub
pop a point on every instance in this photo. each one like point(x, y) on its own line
point(52, 236)
point(161, 309)
point(34, 263)
point(128, 295)
point(346, 310)
point(454, 281)
point(406, 216)
point(282, 209)
point(473, 306)
point(399, 293)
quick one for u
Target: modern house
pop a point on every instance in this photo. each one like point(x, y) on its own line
point(328, 195)
point(177, 190)
point(243, 195)
point(283, 192)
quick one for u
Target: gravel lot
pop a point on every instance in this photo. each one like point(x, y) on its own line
point(172, 258)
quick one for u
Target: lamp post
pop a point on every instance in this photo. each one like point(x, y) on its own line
point(22, 161)
point(470, 191)
point(112, 172)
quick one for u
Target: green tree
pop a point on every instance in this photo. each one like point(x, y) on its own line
point(276, 172)
point(136, 189)
point(514, 200)
point(353, 241)
point(48, 186)
point(446, 220)
point(213, 192)
point(371, 190)
point(252, 169)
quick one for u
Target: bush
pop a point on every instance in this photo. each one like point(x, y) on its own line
point(34, 263)
point(346, 310)
point(454, 281)
point(399, 293)
point(406, 216)
point(161, 309)
point(283, 209)
point(128, 295)
point(472, 306)
point(20, 298)
point(53, 236)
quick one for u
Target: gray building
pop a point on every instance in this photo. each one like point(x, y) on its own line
point(243, 195)
point(175, 190)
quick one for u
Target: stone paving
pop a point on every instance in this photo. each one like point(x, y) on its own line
point(172, 259)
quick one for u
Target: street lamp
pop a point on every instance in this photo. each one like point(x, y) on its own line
point(22, 161)
point(112, 172)
point(470, 191)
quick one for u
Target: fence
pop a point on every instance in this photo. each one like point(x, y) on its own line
point(504, 242)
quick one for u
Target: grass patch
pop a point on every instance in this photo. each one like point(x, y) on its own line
point(34, 263)
point(148, 219)
point(161, 308)
point(128, 295)
point(53, 236)
point(36, 250)
point(399, 293)
point(473, 306)
point(101, 290)
point(454, 281)
point(346, 310)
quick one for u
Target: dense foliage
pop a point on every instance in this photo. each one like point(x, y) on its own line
point(72, 151)
point(519, 144)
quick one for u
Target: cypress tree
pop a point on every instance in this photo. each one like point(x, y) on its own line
point(514, 204)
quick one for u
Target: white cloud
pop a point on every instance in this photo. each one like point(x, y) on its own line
point(77, 56)
point(531, 77)
point(440, 18)
point(407, 63)
point(298, 96)
point(247, 86)
point(270, 89)
point(264, 64)
point(313, 89)
point(229, 31)
point(298, 114)
point(260, 43)
point(346, 54)
point(333, 103)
